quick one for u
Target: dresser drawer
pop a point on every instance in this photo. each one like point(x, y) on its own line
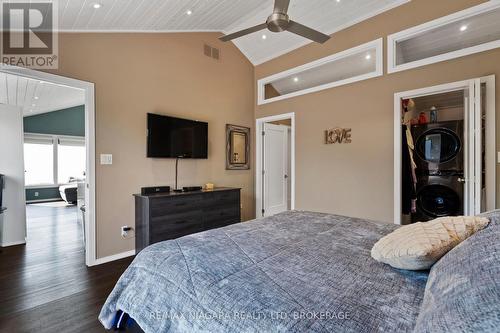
point(176, 225)
point(221, 217)
point(226, 198)
point(167, 206)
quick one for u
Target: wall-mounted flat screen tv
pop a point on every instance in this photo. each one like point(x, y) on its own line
point(170, 137)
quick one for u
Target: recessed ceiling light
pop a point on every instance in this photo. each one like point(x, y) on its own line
point(463, 28)
point(368, 56)
point(36, 97)
point(96, 5)
point(338, 0)
point(264, 37)
point(295, 79)
point(189, 12)
point(33, 104)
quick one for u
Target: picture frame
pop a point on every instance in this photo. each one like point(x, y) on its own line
point(237, 147)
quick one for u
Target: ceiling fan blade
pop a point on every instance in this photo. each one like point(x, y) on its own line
point(281, 6)
point(307, 32)
point(244, 32)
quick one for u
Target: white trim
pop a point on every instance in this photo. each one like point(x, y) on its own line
point(43, 135)
point(90, 202)
point(392, 67)
point(114, 257)
point(331, 32)
point(490, 144)
point(379, 71)
point(490, 137)
point(258, 158)
point(6, 244)
point(478, 163)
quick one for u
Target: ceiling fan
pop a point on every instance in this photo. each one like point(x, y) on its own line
point(279, 21)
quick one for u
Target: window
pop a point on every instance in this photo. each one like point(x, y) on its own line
point(359, 63)
point(53, 160)
point(39, 162)
point(70, 160)
point(467, 32)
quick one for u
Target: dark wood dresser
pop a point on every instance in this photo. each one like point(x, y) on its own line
point(160, 217)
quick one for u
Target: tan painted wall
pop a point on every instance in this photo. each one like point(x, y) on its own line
point(357, 179)
point(165, 73)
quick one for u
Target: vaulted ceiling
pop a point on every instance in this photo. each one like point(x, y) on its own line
point(226, 16)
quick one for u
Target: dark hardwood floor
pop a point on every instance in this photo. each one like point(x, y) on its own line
point(45, 285)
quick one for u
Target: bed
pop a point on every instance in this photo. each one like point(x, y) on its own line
point(294, 272)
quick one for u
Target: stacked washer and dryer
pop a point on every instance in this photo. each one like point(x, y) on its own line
point(439, 158)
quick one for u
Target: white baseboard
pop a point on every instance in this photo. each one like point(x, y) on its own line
point(12, 243)
point(114, 257)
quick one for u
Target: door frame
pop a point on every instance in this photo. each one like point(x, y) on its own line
point(90, 200)
point(259, 151)
point(490, 136)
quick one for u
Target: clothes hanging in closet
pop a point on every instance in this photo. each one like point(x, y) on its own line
point(409, 195)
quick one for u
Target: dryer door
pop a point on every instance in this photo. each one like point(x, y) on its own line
point(439, 200)
point(438, 145)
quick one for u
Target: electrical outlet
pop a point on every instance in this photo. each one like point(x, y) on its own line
point(124, 230)
point(37, 194)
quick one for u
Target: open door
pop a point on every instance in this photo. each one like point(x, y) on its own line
point(275, 197)
point(473, 149)
point(444, 151)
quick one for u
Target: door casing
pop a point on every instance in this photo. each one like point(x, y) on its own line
point(258, 159)
point(471, 165)
point(90, 183)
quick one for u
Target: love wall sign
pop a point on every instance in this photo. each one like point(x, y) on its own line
point(338, 135)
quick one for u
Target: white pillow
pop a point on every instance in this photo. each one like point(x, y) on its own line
point(418, 246)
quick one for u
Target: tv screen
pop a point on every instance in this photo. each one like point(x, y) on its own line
point(170, 137)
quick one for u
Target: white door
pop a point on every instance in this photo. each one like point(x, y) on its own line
point(473, 149)
point(275, 197)
point(289, 168)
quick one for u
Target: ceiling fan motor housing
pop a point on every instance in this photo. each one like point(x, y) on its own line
point(277, 22)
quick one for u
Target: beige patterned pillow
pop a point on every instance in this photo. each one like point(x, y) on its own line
point(418, 246)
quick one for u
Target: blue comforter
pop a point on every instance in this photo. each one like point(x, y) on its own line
point(293, 272)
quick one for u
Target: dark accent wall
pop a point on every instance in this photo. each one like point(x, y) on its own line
point(69, 121)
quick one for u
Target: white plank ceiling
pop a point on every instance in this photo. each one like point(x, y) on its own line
point(218, 15)
point(35, 97)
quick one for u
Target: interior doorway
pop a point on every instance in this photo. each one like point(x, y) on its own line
point(65, 162)
point(445, 146)
point(275, 169)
